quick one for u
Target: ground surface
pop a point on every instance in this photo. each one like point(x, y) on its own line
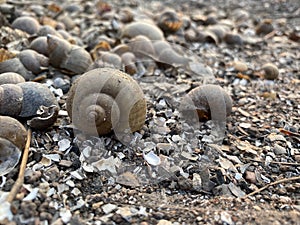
point(212, 183)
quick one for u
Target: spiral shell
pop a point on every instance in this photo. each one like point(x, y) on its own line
point(204, 100)
point(106, 99)
point(40, 45)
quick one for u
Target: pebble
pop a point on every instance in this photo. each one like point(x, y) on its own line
point(108, 208)
point(279, 150)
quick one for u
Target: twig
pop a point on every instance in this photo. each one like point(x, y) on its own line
point(274, 162)
point(19, 182)
point(271, 184)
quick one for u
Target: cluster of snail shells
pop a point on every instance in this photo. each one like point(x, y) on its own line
point(21, 99)
point(106, 99)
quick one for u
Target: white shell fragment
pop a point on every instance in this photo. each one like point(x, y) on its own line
point(152, 158)
point(64, 144)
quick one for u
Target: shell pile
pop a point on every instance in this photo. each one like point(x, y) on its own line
point(161, 78)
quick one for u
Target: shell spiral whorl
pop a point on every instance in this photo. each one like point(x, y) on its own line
point(106, 99)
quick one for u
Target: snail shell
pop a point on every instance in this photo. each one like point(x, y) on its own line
point(64, 55)
point(27, 24)
point(112, 101)
point(11, 78)
point(204, 101)
point(142, 28)
point(141, 46)
point(129, 60)
point(12, 140)
point(33, 61)
point(166, 54)
point(12, 130)
point(169, 21)
point(15, 65)
point(40, 45)
point(265, 27)
point(270, 71)
point(24, 100)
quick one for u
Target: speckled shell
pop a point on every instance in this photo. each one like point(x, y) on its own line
point(197, 100)
point(106, 99)
point(13, 131)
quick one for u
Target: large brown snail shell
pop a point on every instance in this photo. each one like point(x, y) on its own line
point(27, 24)
point(12, 141)
point(106, 99)
point(142, 28)
point(64, 55)
point(205, 97)
point(24, 100)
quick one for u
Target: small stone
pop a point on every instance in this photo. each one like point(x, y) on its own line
point(128, 179)
point(279, 150)
point(108, 208)
point(65, 163)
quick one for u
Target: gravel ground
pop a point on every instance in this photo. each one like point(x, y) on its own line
point(251, 176)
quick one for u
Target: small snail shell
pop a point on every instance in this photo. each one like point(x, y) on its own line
point(129, 60)
point(15, 65)
point(126, 15)
point(64, 55)
point(46, 29)
point(107, 59)
point(24, 100)
point(11, 78)
point(197, 99)
point(166, 54)
point(270, 71)
point(169, 21)
point(142, 28)
point(27, 24)
point(265, 27)
point(120, 49)
point(12, 130)
point(233, 39)
point(40, 45)
point(142, 47)
point(106, 99)
point(33, 61)
point(12, 141)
